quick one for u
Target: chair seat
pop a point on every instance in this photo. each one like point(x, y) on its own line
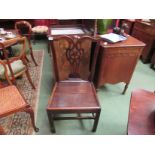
point(9, 102)
point(75, 95)
point(17, 66)
point(40, 29)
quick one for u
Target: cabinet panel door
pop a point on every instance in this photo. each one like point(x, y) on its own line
point(147, 39)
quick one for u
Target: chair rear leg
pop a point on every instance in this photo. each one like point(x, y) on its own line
point(51, 121)
point(29, 78)
point(31, 112)
point(32, 56)
point(27, 59)
point(96, 121)
point(125, 88)
point(2, 132)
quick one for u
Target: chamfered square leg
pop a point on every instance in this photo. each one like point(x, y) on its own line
point(51, 121)
point(96, 120)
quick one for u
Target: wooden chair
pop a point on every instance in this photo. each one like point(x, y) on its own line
point(11, 101)
point(11, 68)
point(24, 29)
point(71, 94)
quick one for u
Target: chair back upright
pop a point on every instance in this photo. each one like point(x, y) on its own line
point(71, 56)
point(23, 28)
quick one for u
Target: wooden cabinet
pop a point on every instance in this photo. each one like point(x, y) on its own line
point(146, 33)
point(116, 62)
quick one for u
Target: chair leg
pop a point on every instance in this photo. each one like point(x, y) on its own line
point(51, 121)
point(32, 56)
point(2, 132)
point(96, 121)
point(29, 78)
point(125, 88)
point(31, 112)
point(27, 59)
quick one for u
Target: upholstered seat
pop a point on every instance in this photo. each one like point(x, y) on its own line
point(40, 29)
point(17, 66)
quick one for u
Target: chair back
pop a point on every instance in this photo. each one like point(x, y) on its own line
point(24, 28)
point(71, 57)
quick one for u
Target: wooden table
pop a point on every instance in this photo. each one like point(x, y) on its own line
point(142, 113)
point(116, 62)
point(9, 44)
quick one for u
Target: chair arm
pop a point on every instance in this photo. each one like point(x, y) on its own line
point(3, 63)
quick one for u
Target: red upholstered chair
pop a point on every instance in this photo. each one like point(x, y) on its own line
point(72, 94)
point(11, 101)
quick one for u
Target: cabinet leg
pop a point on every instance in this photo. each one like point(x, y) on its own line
point(125, 88)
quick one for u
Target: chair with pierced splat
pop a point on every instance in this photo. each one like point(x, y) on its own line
point(74, 92)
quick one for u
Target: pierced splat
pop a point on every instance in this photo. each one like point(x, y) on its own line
point(74, 55)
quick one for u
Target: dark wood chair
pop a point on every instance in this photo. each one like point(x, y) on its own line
point(11, 101)
point(141, 119)
point(14, 67)
point(72, 94)
point(24, 28)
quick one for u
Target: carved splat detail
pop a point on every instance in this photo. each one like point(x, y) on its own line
point(75, 52)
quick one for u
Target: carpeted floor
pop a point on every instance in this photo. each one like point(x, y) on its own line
point(20, 123)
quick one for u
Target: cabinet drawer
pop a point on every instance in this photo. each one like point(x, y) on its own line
point(147, 28)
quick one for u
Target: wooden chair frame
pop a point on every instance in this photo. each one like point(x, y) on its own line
point(95, 111)
point(25, 108)
point(8, 61)
point(18, 27)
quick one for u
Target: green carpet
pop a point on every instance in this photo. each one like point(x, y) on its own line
point(115, 106)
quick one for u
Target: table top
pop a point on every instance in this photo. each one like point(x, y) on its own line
point(142, 113)
point(129, 42)
point(9, 40)
point(59, 30)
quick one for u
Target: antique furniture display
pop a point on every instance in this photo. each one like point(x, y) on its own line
point(116, 62)
point(146, 33)
point(11, 101)
point(142, 113)
point(24, 29)
point(73, 93)
point(13, 67)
